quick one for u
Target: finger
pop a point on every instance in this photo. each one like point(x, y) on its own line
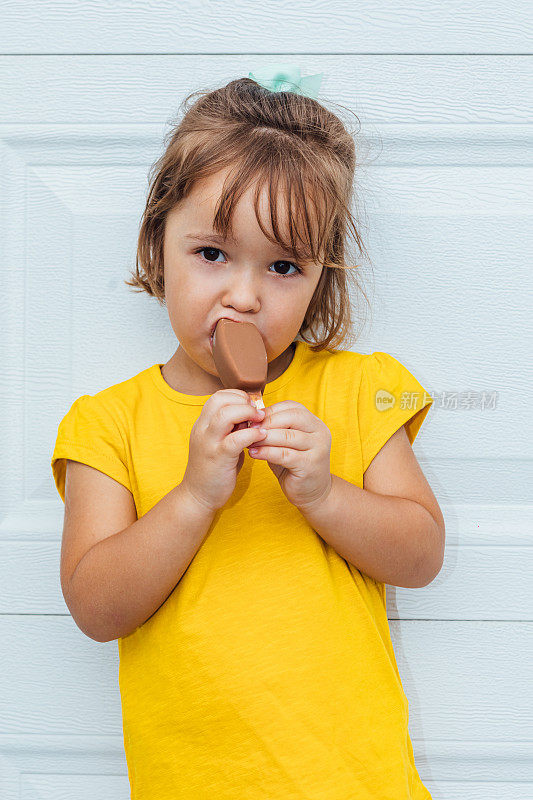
point(284, 404)
point(227, 396)
point(235, 442)
point(240, 425)
point(226, 417)
point(297, 417)
point(287, 437)
point(282, 456)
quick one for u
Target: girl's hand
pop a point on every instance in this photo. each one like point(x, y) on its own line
point(297, 449)
point(216, 444)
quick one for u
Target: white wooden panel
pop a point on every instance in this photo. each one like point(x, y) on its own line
point(453, 790)
point(445, 193)
point(486, 574)
point(37, 786)
point(339, 26)
point(382, 90)
point(66, 688)
point(73, 245)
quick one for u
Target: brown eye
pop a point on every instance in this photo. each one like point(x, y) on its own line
point(213, 251)
point(286, 265)
point(210, 251)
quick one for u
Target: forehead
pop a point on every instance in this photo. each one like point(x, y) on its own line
point(200, 206)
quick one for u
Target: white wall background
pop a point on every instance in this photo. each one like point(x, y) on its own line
point(442, 90)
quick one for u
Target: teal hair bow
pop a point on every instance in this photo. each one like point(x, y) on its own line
point(287, 78)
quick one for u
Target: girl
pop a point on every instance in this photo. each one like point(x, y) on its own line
point(247, 589)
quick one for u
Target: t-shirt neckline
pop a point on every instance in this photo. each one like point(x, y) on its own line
point(198, 399)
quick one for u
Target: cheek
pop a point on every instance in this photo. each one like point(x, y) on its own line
point(184, 286)
point(287, 304)
point(189, 304)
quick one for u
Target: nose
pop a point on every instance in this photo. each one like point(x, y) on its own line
point(241, 291)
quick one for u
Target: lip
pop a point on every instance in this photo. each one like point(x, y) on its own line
point(216, 323)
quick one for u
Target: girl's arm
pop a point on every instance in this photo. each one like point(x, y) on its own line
point(392, 529)
point(115, 578)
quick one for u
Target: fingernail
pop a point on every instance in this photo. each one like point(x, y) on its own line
point(262, 430)
point(261, 412)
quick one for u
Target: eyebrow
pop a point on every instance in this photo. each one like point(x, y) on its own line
point(201, 237)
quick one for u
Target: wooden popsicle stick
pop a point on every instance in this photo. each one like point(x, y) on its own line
point(256, 399)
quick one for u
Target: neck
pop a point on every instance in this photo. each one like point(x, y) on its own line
point(186, 376)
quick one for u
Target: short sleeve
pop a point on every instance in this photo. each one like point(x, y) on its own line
point(89, 433)
point(389, 397)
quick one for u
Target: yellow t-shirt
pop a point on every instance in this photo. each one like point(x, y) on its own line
point(269, 671)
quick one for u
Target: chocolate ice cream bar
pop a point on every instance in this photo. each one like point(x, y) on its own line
point(240, 358)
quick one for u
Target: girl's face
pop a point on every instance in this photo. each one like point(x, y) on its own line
point(249, 280)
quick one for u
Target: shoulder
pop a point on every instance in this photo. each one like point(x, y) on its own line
point(107, 412)
point(116, 400)
point(389, 396)
point(340, 362)
point(348, 367)
point(339, 372)
point(381, 370)
point(378, 365)
point(96, 430)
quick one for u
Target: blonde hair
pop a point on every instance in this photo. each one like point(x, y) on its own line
point(284, 140)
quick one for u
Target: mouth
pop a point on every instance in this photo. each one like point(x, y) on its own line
point(212, 334)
